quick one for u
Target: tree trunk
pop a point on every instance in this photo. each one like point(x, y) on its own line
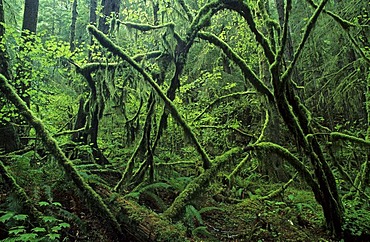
point(72, 44)
point(129, 222)
point(31, 10)
point(9, 138)
point(110, 9)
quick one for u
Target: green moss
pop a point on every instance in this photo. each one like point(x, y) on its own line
point(107, 43)
point(95, 201)
point(195, 186)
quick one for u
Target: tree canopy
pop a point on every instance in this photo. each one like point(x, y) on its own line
point(211, 120)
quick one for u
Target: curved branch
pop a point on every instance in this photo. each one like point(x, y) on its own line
point(344, 23)
point(340, 136)
point(243, 9)
point(247, 72)
point(309, 27)
point(147, 27)
point(241, 132)
point(219, 99)
point(288, 156)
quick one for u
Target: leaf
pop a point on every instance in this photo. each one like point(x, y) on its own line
point(43, 203)
point(64, 225)
point(58, 204)
point(54, 236)
point(17, 230)
point(49, 219)
point(6, 216)
point(28, 237)
point(39, 230)
point(56, 229)
point(20, 217)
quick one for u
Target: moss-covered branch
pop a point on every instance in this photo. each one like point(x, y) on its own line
point(335, 136)
point(309, 27)
point(279, 54)
point(280, 190)
point(147, 27)
point(95, 66)
point(267, 119)
point(243, 9)
point(344, 23)
point(199, 183)
point(96, 204)
point(186, 9)
point(107, 43)
point(239, 131)
point(247, 72)
point(26, 202)
point(219, 99)
point(288, 156)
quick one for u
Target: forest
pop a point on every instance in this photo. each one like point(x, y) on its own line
point(184, 120)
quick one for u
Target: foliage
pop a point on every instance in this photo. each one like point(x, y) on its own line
point(21, 228)
point(209, 94)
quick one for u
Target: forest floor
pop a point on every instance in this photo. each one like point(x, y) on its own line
point(292, 217)
point(218, 214)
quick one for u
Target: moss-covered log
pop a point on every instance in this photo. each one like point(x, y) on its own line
point(96, 204)
point(138, 224)
point(27, 204)
point(199, 183)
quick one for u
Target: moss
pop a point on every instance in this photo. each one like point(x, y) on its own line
point(107, 43)
point(147, 27)
point(195, 186)
point(247, 71)
point(340, 136)
point(288, 156)
point(96, 203)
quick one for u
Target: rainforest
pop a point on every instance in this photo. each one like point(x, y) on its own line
point(184, 120)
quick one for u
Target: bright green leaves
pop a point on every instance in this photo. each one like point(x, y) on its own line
point(20, 227)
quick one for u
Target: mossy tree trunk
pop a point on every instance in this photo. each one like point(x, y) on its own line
point(9, 136)
point(139, 224)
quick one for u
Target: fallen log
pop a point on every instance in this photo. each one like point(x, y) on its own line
point(129, 221)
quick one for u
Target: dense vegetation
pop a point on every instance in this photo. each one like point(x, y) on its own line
point(222, 120)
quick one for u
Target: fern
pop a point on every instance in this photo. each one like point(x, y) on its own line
point(192, 215)
point(202, 230)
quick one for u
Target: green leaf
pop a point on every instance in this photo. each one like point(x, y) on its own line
point(43, 203)
point(6, 216)
point(17, 230)
point(58, 204)
point(39, 230)
point(64, 225)
point(49, 219)
point(56, 229)
point(54, 236)
point(20, 217)
point(28, 237)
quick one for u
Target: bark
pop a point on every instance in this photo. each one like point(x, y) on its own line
point(72, 44)
point(110, 12)
point(31, 10)
point(4, 69)
point(297, 118)
point(92, 20)
point(80, 123)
